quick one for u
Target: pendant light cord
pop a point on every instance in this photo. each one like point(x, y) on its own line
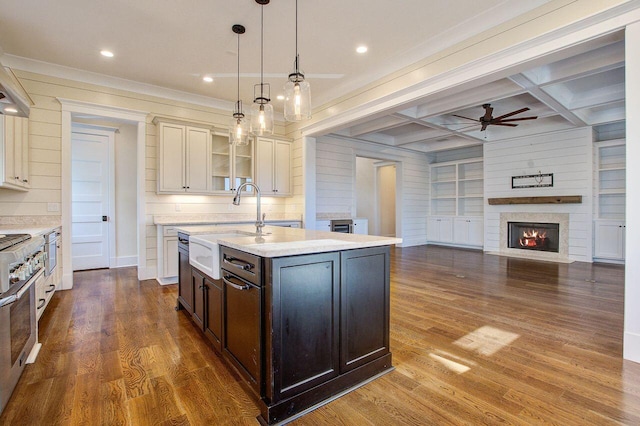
point(262, 51)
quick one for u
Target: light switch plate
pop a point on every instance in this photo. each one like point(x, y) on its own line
point(53, 207)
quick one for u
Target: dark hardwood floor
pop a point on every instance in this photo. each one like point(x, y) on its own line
point(476, 339)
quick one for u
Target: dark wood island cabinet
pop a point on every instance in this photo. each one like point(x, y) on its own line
point(300, 329)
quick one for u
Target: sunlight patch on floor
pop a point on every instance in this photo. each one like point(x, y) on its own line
point(486, 340)
point(459, 366)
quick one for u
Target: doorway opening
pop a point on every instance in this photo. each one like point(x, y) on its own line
point(376, 195)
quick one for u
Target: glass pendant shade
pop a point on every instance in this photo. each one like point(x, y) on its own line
point(239, 127)
point(297, 98)
point(261, 119)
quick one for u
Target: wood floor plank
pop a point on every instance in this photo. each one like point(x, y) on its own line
point(476, 339)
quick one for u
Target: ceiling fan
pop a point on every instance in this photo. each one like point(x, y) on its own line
point(488, 118)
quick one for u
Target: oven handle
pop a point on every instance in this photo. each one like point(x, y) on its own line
point(15, 297)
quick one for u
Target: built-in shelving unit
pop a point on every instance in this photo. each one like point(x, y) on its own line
point(457, 203)
point(610, 185)
point(611, 180)
point(457, 189)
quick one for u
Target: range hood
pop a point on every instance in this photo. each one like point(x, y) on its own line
point(13, 97)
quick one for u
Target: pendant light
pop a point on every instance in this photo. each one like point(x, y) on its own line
point(297, 91)
point(239, 126)
point(262, 110)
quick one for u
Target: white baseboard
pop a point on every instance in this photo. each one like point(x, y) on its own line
point(67, 281)
point(124, 261)
point(631, 346)
point(167, 280)
point(146, 273)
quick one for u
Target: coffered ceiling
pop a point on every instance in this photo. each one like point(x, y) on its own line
point(581, 89)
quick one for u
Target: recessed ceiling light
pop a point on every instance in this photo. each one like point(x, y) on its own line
point(361, 49)
point(12, 110)
point(207, 79)
point(106, 53)
point(280, 97)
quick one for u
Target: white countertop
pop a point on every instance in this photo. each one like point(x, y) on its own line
point(195, 219)
point(27, 229)
point(277, 241)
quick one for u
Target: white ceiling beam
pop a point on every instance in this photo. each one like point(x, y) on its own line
point(547, 99)
point(596, 61)
point(377, 125)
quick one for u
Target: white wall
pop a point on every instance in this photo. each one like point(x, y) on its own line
point(632, 265)
point(366, 191)
point(336, 183)
point(568, 155)
point(126, 194)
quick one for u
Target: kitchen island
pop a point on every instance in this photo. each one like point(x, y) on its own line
point(302, 315)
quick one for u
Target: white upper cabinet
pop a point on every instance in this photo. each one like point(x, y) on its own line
point(184, 159)
point(273, 166)
point(14, 132)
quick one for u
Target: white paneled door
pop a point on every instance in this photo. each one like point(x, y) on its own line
point(90, 199)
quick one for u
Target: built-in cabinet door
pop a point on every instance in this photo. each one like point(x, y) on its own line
point(199, 298)
point(197, 167)
point(440, 229)
point(273, 166)
point(170, 256)
point(364, 306)
point(265, 165)
point(361, 226)
point(213, 315)
point(323, 225)
point(306, 297)
point(14, 138)
point(171, 147)
point(468, 231)
point(609, 239)
point(282, 175)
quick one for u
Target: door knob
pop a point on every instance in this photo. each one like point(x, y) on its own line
point(105, 218)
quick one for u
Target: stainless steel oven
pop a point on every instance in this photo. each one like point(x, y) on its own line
point(21, 266)
point(342, 225)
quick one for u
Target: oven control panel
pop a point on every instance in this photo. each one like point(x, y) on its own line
point(25, 269)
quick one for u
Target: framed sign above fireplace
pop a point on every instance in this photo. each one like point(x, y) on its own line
point(532, 181)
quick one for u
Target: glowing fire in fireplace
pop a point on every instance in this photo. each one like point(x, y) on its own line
point(533, 238)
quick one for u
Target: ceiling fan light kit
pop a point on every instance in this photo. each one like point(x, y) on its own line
point(297, 91)
point(239, 128)
point(503, 120)
point(261, 109)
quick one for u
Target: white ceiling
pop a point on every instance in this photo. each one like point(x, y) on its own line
point(173, 44)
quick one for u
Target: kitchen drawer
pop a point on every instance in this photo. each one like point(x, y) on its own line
point(244, 265)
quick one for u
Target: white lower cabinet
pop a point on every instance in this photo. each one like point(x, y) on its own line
point(440, 229)
point(456, 230)
point(361, 226)
point(468, 231)
point(323, 225)
point(609, 239)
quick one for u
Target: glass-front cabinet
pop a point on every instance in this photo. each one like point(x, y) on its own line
point(231, 165)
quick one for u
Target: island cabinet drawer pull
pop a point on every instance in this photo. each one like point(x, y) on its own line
point(42, 303)
point(237, 263)
point(226, 279)
point(183, 241)
point(51, 288)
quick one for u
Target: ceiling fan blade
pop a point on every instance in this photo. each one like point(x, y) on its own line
point(516, 119)
point(511, 113)
point(466, 118)
point(503, 124)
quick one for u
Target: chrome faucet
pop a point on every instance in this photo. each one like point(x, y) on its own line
point(259, 217)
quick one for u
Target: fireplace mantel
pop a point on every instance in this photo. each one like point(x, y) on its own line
point(559, 199)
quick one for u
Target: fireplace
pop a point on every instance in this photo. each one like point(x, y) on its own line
point(534, 236)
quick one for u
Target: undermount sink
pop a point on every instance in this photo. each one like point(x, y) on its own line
point(204, 252)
